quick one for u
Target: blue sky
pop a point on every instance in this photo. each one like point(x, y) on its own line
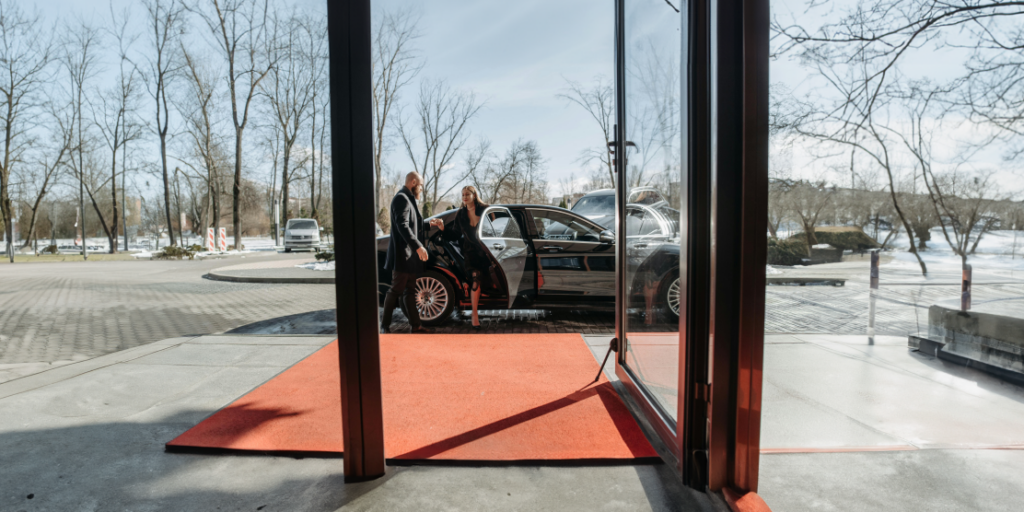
point(515, 56)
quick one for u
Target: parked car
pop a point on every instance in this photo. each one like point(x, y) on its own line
point(302, 234)
point(599, 205)
point(542, 257)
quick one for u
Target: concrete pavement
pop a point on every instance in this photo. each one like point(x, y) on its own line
point(845, 426)
point(90, 435)
point(56, 313)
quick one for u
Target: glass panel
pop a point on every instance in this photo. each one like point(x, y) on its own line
point(653, 171)
point(559, 226)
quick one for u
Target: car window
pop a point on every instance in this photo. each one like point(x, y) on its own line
point(641, 222)
point(595, 205)
point(499, 224)
point(554, 225)
point(302, 224)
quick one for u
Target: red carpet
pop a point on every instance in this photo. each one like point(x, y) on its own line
point(493, 397)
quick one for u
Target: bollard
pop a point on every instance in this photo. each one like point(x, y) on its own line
point(873, 297)
point(965, 289)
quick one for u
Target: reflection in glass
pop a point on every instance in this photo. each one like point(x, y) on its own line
point(653, 171)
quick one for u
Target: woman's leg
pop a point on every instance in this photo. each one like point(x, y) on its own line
point(475, 294)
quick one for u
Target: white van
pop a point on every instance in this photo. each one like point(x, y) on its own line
point(301, 234)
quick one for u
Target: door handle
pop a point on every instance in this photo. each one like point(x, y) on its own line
point(640, 245)
point(497, 247)
point(552, 248)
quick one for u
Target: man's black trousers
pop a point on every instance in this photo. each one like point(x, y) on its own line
point(402, 283)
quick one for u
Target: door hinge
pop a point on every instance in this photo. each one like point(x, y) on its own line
point(701, 391)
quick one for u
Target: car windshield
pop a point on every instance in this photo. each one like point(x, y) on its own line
point(592, 205)
point(302, 224)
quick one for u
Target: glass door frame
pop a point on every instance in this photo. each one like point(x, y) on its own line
point(715, 440)
point(656, 417)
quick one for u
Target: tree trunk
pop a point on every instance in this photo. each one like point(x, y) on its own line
point(5, 206)
point(284, 194)
point(99, 215)
point(113, 193)
point(236, 192)
point(906, 225)
point(167, 188)
point(809, 235)
point(35, 214)
point(216, 212)
point(31, 229)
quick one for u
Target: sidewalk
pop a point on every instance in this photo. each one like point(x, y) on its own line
point(275, 271)
point(90, 436)
point(845, 426)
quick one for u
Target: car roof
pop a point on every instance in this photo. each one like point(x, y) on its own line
point(602, 192)
point(516, 207)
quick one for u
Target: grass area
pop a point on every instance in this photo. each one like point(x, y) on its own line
point(56, 258)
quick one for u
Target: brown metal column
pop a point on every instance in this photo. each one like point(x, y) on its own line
point(355, 253)
point(754, 243)
point(739, 243)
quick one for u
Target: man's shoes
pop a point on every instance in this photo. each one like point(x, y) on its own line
point(421, 330)
point(385, 330)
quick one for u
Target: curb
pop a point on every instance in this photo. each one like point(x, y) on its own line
point(214, 276)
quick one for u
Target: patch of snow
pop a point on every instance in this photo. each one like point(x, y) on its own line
point(317, 266)
point(142, 254)
point(770, 270)
point(822, 246)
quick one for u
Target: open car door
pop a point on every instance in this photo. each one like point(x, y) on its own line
point(503, 237)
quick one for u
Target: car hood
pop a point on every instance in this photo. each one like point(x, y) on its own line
point(305, 232)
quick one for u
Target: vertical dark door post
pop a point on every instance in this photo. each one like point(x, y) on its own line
point(348, 23)
point(739, 240)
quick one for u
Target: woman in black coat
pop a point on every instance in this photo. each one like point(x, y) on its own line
point(475, 256)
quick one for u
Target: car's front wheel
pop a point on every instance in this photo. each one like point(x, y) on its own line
point(435, 298)
point(670, 293)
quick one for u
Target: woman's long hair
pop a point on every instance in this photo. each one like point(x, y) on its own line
point(480, 205)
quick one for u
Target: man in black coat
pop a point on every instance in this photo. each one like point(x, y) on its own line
point(407, 250)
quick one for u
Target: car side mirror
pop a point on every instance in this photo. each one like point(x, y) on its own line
point(607, 237)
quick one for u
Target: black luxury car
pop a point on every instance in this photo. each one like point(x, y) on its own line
point(546, 257)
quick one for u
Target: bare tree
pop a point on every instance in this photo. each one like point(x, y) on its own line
point(116, 117)
point(80, 60)
point(26, 52)
point(654, 113)
point(808, 202)
point(516, 177)
point(288, 89)
point(778, 204)
point(42, 175)
point(963, 203)
point(395, 64)
point(198, 110)
point(164, 23)
point(240, 30)
point(314, 55)
point(434, 139)
point(599, 101)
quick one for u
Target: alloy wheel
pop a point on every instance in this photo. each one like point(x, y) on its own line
point(431, 298)
point(673, 297)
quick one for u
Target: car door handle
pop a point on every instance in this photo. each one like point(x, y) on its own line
point(640, 245)
point(552, 248)
point(497, 247)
